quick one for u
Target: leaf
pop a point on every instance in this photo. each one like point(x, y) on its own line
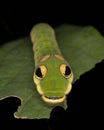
point(83, 47)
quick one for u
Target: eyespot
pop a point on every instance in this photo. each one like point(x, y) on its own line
point(65, 70)
point(41, 72)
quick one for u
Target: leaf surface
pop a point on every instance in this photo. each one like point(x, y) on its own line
point(83, 47)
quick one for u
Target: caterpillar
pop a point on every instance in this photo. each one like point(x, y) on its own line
point(53, 75)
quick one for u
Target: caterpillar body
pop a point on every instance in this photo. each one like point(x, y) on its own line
point(53, 75)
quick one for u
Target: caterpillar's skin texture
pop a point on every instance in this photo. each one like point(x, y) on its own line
point(53, 76)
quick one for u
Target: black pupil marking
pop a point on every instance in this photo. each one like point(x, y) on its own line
point(67, 71)
point(38, 73)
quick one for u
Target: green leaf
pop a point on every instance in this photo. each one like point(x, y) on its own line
point(83, 47)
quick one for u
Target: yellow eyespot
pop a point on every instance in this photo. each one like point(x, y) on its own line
point(41, 72)
point(65, 70)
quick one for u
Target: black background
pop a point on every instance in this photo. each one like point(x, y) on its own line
point(85, 102)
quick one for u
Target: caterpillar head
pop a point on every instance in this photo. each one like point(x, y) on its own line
point(53, 78)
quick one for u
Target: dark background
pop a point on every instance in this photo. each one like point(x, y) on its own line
point(85, 102)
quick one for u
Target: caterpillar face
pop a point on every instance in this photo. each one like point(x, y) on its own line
point(54, 80)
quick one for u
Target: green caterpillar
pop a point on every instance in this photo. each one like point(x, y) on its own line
point(53, 75)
